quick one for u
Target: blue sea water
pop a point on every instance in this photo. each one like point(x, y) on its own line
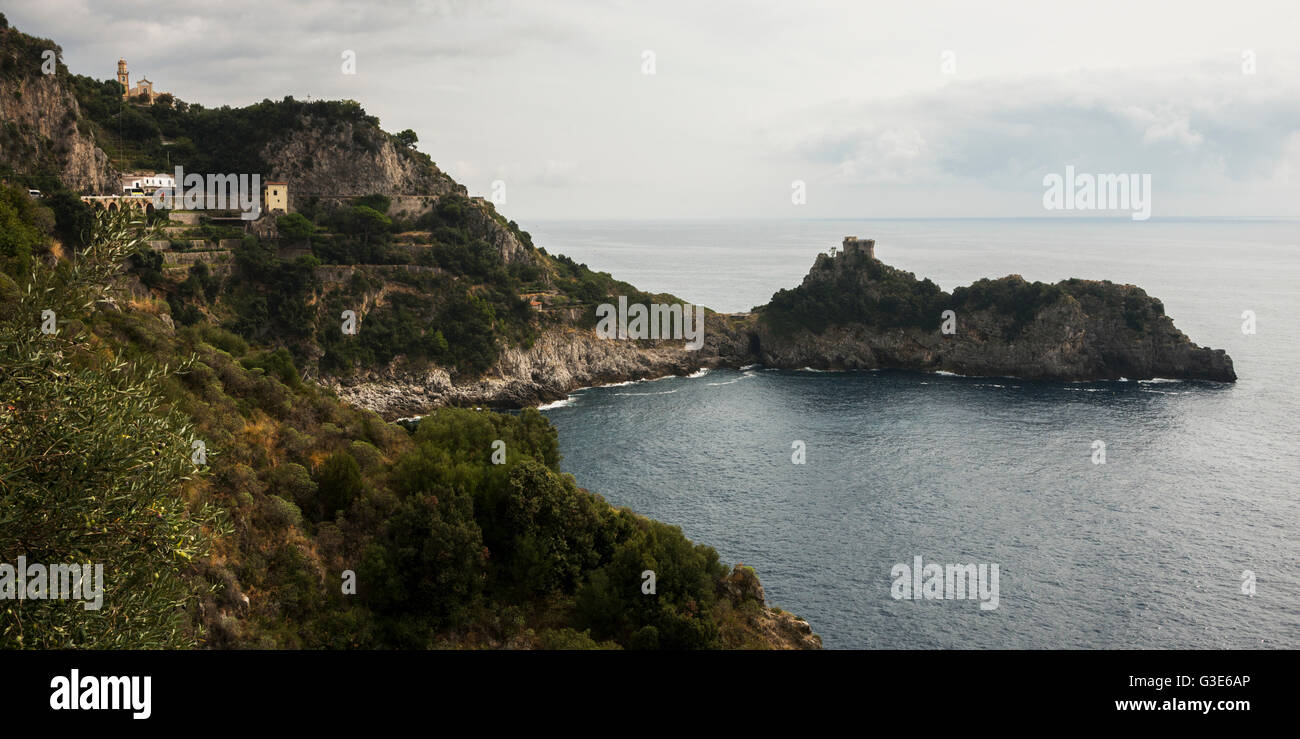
point(1201, 483)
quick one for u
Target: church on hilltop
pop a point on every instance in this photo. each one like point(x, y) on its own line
point(145, 87)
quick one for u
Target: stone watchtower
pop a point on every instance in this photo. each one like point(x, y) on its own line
point(123, 77)
point(855, 247)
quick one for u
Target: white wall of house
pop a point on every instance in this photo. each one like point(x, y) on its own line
point(148, 182)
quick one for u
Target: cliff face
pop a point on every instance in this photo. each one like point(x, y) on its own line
point(350, 158)
point(774, 628)
point(38, 120)
point(559, 361)
point(1064, 343)
point(342, 159)
point(486, 224)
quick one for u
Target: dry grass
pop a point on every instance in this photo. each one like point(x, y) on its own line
point(148, 304)
point(260, 432)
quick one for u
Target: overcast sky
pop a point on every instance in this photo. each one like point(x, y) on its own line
point(912, 109)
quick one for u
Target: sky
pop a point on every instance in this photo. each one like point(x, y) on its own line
point(665, 109)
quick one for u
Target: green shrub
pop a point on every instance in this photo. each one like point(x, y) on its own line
point(338, 482)
point(279, 513)
point(570, 639)
point(277, 363)
point(293, 482)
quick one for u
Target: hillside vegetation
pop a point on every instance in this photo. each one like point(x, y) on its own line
point(172, 428)
point(447, 548)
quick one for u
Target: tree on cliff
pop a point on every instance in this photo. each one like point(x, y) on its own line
point(368, 221)
point(295, 227)
point(406, 138)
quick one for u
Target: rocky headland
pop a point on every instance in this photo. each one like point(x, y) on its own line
point(852, 312)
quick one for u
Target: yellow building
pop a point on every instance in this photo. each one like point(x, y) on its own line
point(275, 196)
point(131, 93)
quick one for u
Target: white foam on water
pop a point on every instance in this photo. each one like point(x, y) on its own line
point(732, 382)
point(622, 384)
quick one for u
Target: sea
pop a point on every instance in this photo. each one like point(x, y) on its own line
point(1129, 514)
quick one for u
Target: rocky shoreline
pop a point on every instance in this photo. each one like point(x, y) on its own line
point(557, 363)
point(562, 362)
point(1082, 331)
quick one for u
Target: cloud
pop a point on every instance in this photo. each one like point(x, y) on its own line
point(749, 96)
point(1190, 128)
point(548, 173)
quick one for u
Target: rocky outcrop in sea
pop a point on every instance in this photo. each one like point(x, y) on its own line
point(1072, 330)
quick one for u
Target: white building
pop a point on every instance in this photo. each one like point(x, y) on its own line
point(146, 182)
